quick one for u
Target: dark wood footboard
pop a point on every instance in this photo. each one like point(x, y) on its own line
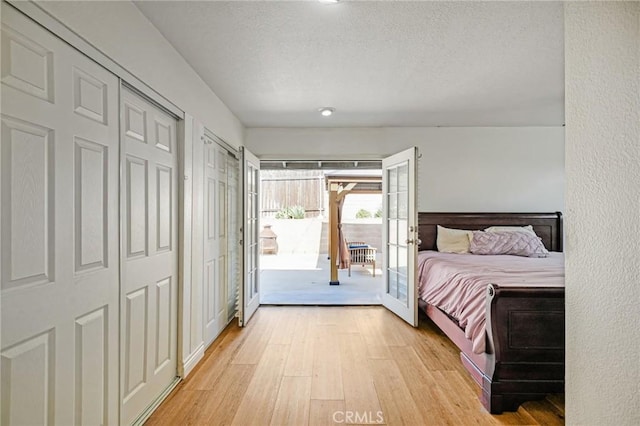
point(524, 359)
point(525, 337)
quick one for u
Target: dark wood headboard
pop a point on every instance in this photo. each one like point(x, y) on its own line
point(548, 226)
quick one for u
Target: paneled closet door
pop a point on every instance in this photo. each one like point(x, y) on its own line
point(149, 254)
point(59, 231)
point(215, 240)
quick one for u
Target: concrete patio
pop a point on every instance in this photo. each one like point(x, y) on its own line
point(303, 279)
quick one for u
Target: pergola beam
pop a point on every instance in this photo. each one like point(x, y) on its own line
point(344, 191)
point(336, 193)
point(333, 232)
point(339, 186)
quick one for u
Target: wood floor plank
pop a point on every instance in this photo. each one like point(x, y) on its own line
point(520, 417)
point(256, 407)
point(292, 404)
point(223, 401)
point(539, 410)
point(216, 359)
point(326, 412)
point(201, 407)
point(301, 353)
point(436, 351)
point(557, 400)
point(304, 320)
point(456, 402)
point(167, 410)
point(368, 326)
point(422, 386)
point(392, 329)
point(327, 366)
point(257, 339)
point(344, 375)
point(347, 317)
point(284, 326)
point(398, 406)
point(359, 390)
point(429, 356)
point(326, 316)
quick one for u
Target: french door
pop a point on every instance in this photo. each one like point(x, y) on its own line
point(234, 263)
point(400, 234)
point(250, 295)
point(149, 252)
point(59, 231)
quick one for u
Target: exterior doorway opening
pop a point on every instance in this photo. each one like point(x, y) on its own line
point(302, 204)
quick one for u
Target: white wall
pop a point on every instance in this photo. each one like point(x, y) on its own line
point(462, 168)
point(121, 31)
point(602, 56)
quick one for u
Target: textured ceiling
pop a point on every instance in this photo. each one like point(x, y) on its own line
point(378, 63)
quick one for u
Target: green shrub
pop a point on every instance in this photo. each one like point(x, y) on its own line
point(362, 213)
point(295, 212)
point(378, 213)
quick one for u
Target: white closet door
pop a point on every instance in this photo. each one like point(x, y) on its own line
point(59, 231)
point(215, 240)
point(149, 254)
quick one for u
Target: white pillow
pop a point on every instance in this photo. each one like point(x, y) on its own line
point(453, 240)
point(527, 228)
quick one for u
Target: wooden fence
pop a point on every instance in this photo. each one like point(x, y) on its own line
point(288, 188)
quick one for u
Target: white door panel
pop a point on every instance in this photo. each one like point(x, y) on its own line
point(149, 253)
point(215, 241)
point(233, 238)
point(400, 233)
point(59, 231)
point(251, 211)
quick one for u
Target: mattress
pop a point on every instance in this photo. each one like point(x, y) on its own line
point(457, 283)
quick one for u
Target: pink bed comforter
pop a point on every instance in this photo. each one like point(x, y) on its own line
point(457, 283)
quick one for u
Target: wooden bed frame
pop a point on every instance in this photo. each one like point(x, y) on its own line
point(525, 326)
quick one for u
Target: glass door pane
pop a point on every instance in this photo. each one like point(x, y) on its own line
point(251, 286)
point(400, 234)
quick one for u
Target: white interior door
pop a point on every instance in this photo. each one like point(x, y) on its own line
point(149, 254)
point(251, 214)
point(215, 239)
point(400, 233)
point(234, 253)
point(59, 231)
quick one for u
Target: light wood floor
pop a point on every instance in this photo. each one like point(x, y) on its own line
point(316, 365)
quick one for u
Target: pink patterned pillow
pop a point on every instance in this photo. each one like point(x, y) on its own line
point(507, 242)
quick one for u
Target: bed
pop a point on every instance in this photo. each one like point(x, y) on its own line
point(523, 357)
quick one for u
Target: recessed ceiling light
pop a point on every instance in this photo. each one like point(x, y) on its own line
point(328, 1)
point(326, 111)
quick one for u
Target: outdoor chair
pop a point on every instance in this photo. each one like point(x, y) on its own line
point(363, 254)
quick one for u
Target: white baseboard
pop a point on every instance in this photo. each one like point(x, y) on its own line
point(155, 404)
point(192, 360)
